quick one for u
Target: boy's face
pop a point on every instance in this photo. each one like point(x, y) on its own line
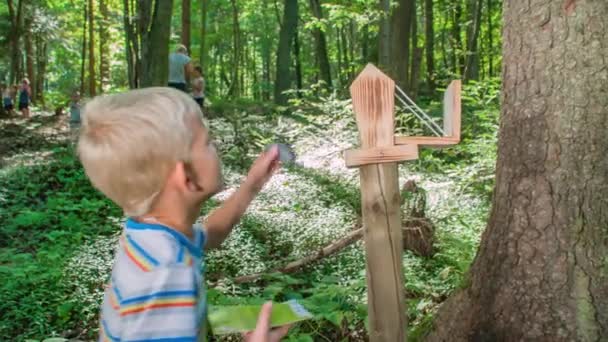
point(205, 165)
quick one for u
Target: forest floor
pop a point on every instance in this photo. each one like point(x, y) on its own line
point(58, 234)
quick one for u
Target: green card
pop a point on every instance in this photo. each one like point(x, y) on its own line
point(237, 319)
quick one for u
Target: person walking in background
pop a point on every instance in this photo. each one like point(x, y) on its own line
point(25, 94)
point(75, 115)
point(7, 99)
point(198, 86)
point(180, 68)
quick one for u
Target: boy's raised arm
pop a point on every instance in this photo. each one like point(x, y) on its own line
point(221, 221)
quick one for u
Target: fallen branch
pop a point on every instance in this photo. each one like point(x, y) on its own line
point(328, 250)
point(324, 252)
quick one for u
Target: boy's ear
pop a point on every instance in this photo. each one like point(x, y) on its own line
point(179, 176)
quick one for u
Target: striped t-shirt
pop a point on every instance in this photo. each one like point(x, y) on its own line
point(156, 290)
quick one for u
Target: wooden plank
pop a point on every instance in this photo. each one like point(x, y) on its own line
point(452, 110)
point(377, 155)
point(373, 95)
point(373, 102)
point(433, 142)
point(384, 252)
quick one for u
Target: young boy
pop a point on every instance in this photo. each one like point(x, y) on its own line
point(149, 152)
point(198, 86)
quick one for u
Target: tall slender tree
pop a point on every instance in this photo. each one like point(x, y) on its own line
point(472, 60)
point(429, 33)
point(16, 21)
point(104, 45)
point(321, 44)
point(92, 74)
point(28, 43)
point(186, 31)
point(203, 53)
point(288, 29)
point(540, 272)
point(401, 29)
point(235, 89)
point(83, 54)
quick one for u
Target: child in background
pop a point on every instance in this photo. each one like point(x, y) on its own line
point(25, 94)
point(198, 86)
point(7, 99)
point(74, 115)
point(149, 152)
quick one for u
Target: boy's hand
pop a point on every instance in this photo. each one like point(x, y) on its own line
point(262, 169)
point(263, 332)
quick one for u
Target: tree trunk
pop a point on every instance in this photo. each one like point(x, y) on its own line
point(321, 45)
point(384, 41)
point(401, 24)
point(15, 33)
point(298, 64)
point(92, 74)
point(472, 65)
point(104, 47)
point(236, 50)
point(41, 60)
point(155, 29)
point(83, 54)
point(186, 23)
point(288, 30)
point(430, 44)
point(29, 55)
point(416, 54)
point(541, 270)
point(131, 43)
point(490, 52)
point(204, 10)
point(457, 46)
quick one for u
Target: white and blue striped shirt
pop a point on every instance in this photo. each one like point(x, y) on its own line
point(156, 291)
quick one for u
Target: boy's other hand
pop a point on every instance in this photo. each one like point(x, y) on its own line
point(263, 332)
point(262, 169)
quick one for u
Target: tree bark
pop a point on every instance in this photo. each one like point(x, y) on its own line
point(416, 59)
point(288, 29)
point(472, 64)
point(16, 18)
point(430, 44)
point(541, 271)
point(186, 9)
point(92, 74)
point(154, 29)
point(321, 45)
point(41, 60)
point(104, 47)
point(401, 28)
point(384, 37)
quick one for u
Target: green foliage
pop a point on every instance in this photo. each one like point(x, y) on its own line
point(47, 211)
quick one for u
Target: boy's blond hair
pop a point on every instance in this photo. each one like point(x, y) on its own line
point(129, 143)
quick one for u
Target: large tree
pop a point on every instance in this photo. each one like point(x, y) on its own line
point(400, 36)
point(288, 30)
point(154, 30)
point(541, 272)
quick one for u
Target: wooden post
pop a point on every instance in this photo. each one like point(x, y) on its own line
point(373, 103)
